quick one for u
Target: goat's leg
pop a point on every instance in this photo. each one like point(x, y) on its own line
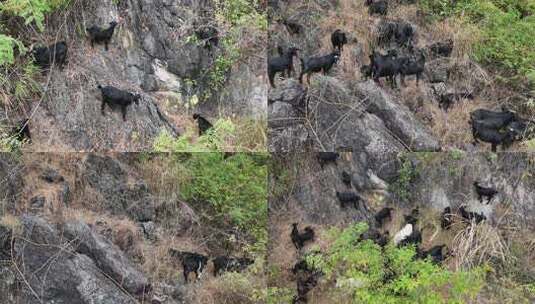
point(493, 147)
point(102, 106)
point(123, 109)
point(186, 272)
point(271, 79)
point(106, 45)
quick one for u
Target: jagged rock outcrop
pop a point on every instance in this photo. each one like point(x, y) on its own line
point(151, 53)
point(109, 258)
point(444, 180)
point(55, 274)
point(364, 118)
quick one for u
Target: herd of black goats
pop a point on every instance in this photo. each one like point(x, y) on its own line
point(56, 54)
point(307, 277)
point(494, 127)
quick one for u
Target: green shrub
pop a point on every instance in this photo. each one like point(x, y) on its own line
point(405, 176)
point(234, 188)
point(32, 10)
point(506, 32)
point(368, 274)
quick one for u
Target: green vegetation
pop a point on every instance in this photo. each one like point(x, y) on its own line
point(367, 274)
point(401, 187)
point(225, 135)
point(231, 191)
point(237, 17)
point(506, 30)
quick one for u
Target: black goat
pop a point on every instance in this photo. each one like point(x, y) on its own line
point(434, 252)
point(53, 54)
point(338, 39)
point(385, 66)
point(446, 100)
point(413, 67)
point(348, 198)
point(379, 7)
point(318, 64)
point(402, 33)
point(281, 64)
point(346, 178)
point(492, 119)
point(383, 215)
point(21, 130)
point(327, 157)
point(487, 192)
point(233, 264)
point(191, 262)
point(375, 236)
point(209, 35)
point(293, 27)
point(113, 96)
point(366, 71)
point(99, 35)
point(203, 123)
point(305, 283)
point(446, 219)
point(412, 218)
point(299, 239)
point(469, 216)
point(414, 238)
point(494, 137)
point(440, 48)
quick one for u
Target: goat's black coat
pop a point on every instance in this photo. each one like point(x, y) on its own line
point(293, 27)
point(191, 262)
point(379, 7)
point(348, 198)
point(100, 35)
point(53, 54)
point(446, 100)
point(366, 71)
point(487, 192)
point(318, 64)
point(385, 66)
point(305, 283)
point(442, 48)
point(446, 218)
point(338, 39)
point(468, 215)
point(113, 96)
point(383, 215)
point(375, 236)
point(413, 67)
point(209, 35)
point(493, 119)
point(494, 137)
point(402, 33)
point(21, 130)
point(299, 239)
point(226, 263)
point(327, 157)
point(203, 123)
point(413, 217)
point(434, 252)
point(281, 64)
point(346, 178)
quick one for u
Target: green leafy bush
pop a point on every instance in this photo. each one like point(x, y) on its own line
point(32, 10)
point(506, 31)
point(405, 176)
point(368, 274)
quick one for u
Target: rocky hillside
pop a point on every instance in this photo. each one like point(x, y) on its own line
point(102, 228)
point(343, 110)
point(183, 57)
point(304, 192)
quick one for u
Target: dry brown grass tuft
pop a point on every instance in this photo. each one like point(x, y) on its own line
point(478, 244)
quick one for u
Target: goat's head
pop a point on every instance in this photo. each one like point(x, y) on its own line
point(196, 116)
point(293, 51)
point(137, 98)
point(113, 24)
